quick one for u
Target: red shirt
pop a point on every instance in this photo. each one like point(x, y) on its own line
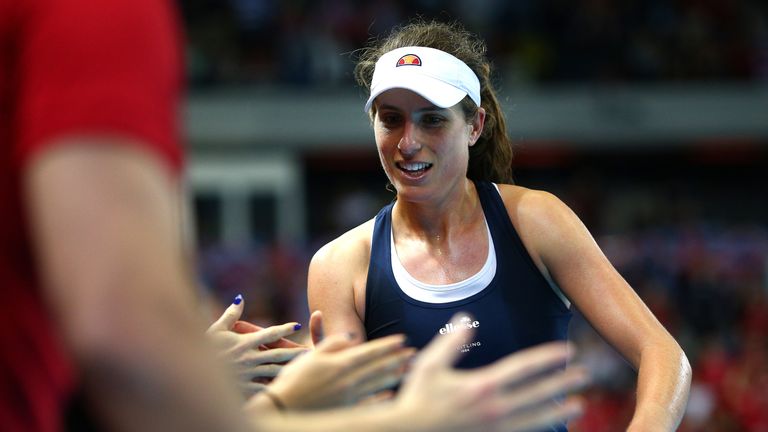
point(69, 67)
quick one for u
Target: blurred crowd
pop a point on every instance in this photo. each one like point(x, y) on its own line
point(312, 43)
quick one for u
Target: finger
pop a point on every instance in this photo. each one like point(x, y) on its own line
point(271, 334)
point(382, 373)
point(529, 362)
point(543, 391)
point(316, 327)
point(369, 351)
point(285, 343)
point(251, 388)
point(277, 355)
point(545, 416)
point(385, 382)
point(443, 350)
point(269, 370)
point(245, 327)
point(230, 315)
point(393, 361)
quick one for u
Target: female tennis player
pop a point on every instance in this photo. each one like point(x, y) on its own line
point(460, 237)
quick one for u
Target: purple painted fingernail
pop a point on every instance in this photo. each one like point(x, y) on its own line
point(238, 299)
point(297, 327)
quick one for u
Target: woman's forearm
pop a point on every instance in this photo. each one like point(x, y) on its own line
point(663, 383)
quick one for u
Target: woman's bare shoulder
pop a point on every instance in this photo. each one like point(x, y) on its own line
point(540, 218)
point(351, 247)
point(522, 201)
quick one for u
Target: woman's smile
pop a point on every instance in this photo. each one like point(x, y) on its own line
point(413, 170)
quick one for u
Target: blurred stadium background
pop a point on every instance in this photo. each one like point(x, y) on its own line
point(648, 117)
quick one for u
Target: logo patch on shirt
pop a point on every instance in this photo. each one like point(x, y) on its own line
point(465, 323)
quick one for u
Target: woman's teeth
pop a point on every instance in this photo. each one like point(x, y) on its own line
point(413, 167)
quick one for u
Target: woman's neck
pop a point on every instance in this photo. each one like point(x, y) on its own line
point(435, 220)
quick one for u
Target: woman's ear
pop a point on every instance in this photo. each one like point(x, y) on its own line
point(477, 126)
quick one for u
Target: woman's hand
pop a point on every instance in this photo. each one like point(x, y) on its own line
point(256, 354)
point(340, 371)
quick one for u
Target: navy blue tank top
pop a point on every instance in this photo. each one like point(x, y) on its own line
point(516, 310)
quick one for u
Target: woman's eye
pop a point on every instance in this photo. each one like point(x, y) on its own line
point(433, 120)
point(390, 119)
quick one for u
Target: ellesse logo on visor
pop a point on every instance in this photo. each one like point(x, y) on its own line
point(409, 60)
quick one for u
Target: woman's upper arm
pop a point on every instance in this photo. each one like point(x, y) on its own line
point(557, 239)
point(335, 273)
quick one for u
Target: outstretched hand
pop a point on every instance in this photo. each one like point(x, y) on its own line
point(257, 354)
point(516, 393)
point(340, 371)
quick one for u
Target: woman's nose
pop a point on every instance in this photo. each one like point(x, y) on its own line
point(409, 143)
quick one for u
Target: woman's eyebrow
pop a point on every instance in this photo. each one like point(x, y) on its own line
point(424, 109)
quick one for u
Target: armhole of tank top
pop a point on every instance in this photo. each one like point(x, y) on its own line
point(544, 273)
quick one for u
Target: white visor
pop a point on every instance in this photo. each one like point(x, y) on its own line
point(435, 75)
